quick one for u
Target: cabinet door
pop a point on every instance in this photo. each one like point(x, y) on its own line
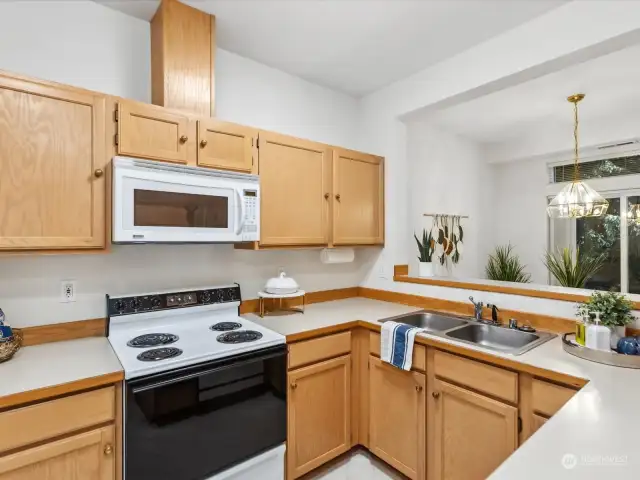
point(319, 423)
point(226, 145)
point(152, 132)
point(397, 417)
point(294, 190)
point(89, 455)
point(52, 164)
point(358, 198)
point(537, 421)
point(472, 434)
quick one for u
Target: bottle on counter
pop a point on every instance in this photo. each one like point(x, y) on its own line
point(598, 336)
point(6, 333)
point(581, 330)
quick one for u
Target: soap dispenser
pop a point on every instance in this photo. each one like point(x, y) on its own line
point(598, 336)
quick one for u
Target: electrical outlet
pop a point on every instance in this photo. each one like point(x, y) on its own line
point(67, 291)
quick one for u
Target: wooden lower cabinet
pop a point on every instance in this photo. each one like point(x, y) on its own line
point(319, 414)
point(537, 421)
point(397, 417)
point(89, 455)
point(471, 434)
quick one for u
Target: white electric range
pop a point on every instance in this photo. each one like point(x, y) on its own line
point(203, 386)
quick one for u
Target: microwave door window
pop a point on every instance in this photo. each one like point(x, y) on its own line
point(153, 208)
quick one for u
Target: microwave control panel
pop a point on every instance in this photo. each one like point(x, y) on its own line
point(251, 219)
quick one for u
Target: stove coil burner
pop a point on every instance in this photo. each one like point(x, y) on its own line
point(153, 340)
point(239, 337)
point(225, 326)
point(157, 354)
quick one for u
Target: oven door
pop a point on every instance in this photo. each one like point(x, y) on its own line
point(191, 423)
point(155, 203)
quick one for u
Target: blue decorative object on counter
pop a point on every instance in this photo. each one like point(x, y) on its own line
point(629, 346)
point(6, 334)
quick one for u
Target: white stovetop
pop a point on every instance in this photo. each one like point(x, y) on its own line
point(196, 340)
point(599, 427)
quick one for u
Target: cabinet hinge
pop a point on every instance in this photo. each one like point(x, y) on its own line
point(115, 138)
point(115, 114)
point(519, 425)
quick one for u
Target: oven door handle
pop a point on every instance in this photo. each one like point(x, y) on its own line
point(144, 386)
point(242, 214)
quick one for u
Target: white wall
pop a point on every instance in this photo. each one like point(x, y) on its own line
point(448, 174)
point(530, 51)
point(79, 43)
point(84, 44)
point(518, 212)
point(251, 93)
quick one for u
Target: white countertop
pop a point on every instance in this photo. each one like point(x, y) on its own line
point(596, 434)
point(327, 314)
point(51, 364)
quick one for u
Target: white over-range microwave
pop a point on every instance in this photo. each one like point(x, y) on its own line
point(156, 202)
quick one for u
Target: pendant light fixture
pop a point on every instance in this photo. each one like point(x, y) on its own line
point(577, 200)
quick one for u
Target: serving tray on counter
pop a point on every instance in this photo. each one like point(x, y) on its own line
point(607, 358)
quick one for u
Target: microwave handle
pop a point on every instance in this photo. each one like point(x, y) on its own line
point(242, 212)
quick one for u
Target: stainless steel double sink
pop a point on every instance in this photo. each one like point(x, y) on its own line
point(480, 334)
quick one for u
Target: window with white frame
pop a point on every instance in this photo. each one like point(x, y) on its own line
point(617, 234)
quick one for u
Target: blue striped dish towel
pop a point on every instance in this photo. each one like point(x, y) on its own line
point(396, 345)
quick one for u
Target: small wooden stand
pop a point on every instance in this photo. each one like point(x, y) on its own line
point(262, 296)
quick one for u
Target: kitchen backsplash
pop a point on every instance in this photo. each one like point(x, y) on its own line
point(30, 287)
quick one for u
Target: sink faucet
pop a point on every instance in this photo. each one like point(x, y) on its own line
point(494, 314)
point(477, 309)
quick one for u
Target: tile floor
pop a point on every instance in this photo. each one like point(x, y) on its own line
point(358, 465)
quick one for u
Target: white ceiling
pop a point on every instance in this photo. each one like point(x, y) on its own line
point(612, 94)
point(354, 46)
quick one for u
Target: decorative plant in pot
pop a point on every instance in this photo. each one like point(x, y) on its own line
point(573, 270)
point(425, 253)
point(504, 265)
point(615, 312)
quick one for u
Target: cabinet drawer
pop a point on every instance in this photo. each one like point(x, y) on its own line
point(57, 417)
point(311, 351)
point(548, 398)
point(478, 376)
point(419, 360)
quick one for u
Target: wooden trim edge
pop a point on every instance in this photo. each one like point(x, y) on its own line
point(58, 332)
point(508, 290)
point(47, 393)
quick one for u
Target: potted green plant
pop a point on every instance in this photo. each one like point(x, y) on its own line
point(425, 253)
point(573, 270)
point(504, 265)
point(615, 312)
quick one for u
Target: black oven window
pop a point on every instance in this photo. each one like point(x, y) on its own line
point(171, 209)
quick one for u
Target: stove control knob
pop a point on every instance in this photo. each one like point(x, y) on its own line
point(155, 302)
point(220, 295)
point(118, 305)
point(136, 304)
point(206, 297)
point(233, 295)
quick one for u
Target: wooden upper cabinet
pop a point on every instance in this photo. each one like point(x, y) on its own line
point(226, 146)
point(183, 46)
point(52, 163)
point(397, 417)
point(358, 198)
point(89, 455)
point(319, 414)
point(152, 132)
point(471, 434)
point(294, 190)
